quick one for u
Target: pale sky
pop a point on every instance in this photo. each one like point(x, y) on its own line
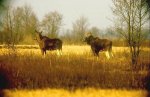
point(97, 12)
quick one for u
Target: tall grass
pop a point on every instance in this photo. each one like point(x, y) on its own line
point(76, 68)
point(88, 92)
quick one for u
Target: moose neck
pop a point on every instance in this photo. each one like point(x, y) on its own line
point(39, 38)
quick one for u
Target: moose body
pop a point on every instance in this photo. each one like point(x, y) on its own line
point(46, 43)
point(98, 45)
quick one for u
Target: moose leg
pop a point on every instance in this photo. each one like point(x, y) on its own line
point(42, 51)
point(94, 53)
point(111, 54)
point(60, 49)
point(107, 55)
point(93, 50)
point(58, 52)
point(97, 53)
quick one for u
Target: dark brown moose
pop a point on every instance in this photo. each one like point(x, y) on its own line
point(98, 45)
point(46, 43)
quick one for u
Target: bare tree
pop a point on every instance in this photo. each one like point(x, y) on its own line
point(52, 23)
point(67, 36)
point(17, 24)
point(132, 15)
point(2, 9)
point(14, 25)
point(30, 23)
point(8, 27)
point(80, 26)
point(3, 4)
point(148, 3)
point(95, 31)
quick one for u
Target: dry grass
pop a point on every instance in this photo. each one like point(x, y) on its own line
point(77, 68)
point(89, 92)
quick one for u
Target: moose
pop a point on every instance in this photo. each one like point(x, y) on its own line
point(98, 45)
point(46, 43)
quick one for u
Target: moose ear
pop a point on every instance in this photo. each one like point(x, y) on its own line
point(41, 32)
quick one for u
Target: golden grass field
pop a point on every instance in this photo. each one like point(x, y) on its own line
point(88, 92)
point(75, 73)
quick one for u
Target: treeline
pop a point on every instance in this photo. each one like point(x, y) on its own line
point(17, 26)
